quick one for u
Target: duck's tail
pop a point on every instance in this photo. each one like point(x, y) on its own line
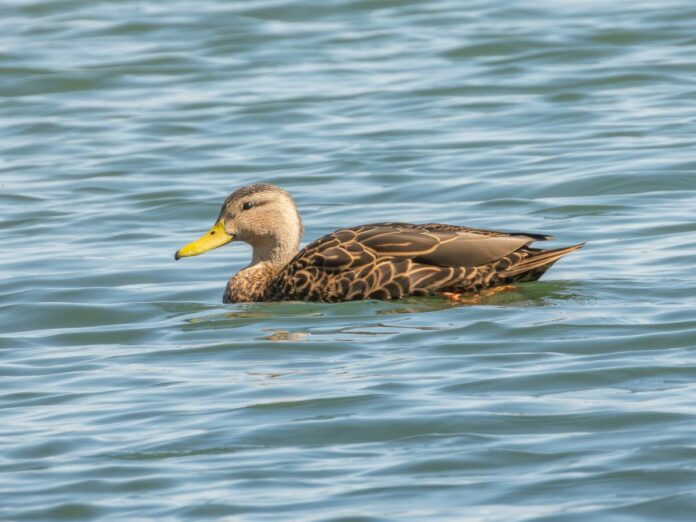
point(538, 262)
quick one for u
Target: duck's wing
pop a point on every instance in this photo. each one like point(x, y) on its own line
point(391, 260)
point(439, 227)
point(438, 245)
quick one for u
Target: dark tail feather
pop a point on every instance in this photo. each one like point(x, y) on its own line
point(536, 264)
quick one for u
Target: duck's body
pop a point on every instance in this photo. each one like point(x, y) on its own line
point(379, 261)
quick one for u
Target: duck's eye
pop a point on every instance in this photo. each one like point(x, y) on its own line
point(247, 205)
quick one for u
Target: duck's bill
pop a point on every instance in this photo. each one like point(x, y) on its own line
point(213, 238)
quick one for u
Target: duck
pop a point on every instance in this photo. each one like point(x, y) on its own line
point(382, 261)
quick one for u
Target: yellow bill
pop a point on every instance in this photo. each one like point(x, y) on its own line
point(213, 238)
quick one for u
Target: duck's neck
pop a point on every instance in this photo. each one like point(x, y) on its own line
point(274, 251)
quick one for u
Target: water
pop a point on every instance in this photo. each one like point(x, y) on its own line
point(130, 392)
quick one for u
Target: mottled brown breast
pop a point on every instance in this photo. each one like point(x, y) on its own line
point(249, 285)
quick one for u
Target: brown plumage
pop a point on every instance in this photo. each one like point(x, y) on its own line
point(378, 261)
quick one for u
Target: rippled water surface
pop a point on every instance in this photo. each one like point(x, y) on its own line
point(130, 392)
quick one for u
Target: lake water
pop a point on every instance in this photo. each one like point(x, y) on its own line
point(129, 392)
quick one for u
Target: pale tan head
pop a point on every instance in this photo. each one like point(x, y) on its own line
point(262, 215)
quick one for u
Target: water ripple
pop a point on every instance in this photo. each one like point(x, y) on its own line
point(130, 392)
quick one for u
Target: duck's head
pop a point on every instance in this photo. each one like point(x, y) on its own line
point(262, 215)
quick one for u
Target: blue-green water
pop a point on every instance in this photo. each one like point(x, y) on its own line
point(129, 392)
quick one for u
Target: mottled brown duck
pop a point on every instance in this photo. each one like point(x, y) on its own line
point(378, 261)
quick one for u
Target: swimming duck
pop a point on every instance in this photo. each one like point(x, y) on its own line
point(378, 261)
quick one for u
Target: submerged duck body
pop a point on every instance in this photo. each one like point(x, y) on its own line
point(377, 261)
